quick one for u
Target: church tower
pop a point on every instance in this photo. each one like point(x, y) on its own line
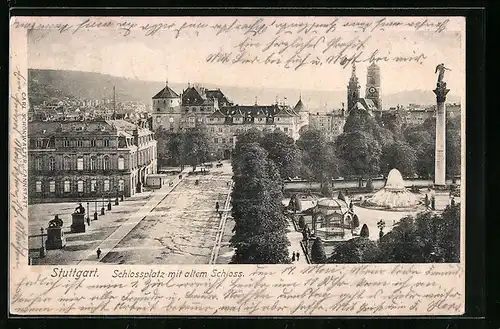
point(373, 85)
point(352, 89)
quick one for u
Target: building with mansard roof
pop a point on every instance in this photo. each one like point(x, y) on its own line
point(211, 109)
point(87, 160)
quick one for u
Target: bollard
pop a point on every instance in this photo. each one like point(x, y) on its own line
point(95, 215)
point(102, 211)
point(109, 206)
point(117, 203)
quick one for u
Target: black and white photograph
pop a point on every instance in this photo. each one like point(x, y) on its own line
point(186, 146)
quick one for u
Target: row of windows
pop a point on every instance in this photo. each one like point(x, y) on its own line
point(80, 163)
point(94, 163)
point(74, 143)
point(80, 186)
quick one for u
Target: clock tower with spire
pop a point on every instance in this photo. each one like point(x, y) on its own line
point(352, 89)
point(373, 85)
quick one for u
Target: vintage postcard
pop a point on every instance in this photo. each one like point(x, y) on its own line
point(249, 166)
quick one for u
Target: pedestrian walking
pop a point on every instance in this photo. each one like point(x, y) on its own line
point(99, 253)
point(217, 207)
point(293, 257)
point(220, 214)
point(88, 221)
point(298, 256)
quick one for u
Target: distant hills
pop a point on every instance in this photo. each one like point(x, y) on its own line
point(45, 84)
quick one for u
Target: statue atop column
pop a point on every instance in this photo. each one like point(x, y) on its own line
point(441, 69)
point(441, 90)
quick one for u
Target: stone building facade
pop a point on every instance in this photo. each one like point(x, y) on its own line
point(88, 159)
point(210, 109)
point(330, 123)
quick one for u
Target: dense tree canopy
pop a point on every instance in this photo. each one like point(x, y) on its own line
point(283, 152)
point(399, 155)
point(357, 250)
point(260, 226)
point(188, 147)
point(360, 152)
point(424, 238)
point(318, 156)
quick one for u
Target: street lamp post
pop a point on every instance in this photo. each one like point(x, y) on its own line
point(102, 208)
point(109, 201)
point(42, 249)
point(88, 210)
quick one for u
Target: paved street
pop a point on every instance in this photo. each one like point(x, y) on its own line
point(182, 228)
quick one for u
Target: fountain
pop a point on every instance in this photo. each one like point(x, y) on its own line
point(394, 194)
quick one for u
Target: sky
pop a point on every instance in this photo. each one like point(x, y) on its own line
point(183, 59)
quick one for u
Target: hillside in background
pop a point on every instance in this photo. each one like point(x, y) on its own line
point(47, 84)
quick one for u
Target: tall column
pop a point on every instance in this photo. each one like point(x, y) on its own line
point(440, 156)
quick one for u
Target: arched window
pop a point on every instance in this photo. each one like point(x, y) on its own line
point(79, 163)
point(121, 163)
point(80, 186)
point(93, 163)
point(39, 163)
point(121, 185)
point(106, 163)
point(93, 185)
point(38, 187)
point(52, 164)
point(67, 163)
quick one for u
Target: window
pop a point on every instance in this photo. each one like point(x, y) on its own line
point(93, 165)
point(285, 129)
point(80, 186)
point(38, 186)
point(52, 163)
point(220, 130)
point(66, 143)
point(79, 163)
point(52, 186)
point(106, 185)
point(212, 130)
point(171, 109)
point(79, 143)
point(121, 185)
point(93, 185)
point(121, 163)
point(39, 164)
point(106, 163)
point(106, 143)
point(223, 140)
point(216, 140)
point(277, 119)
point(66, 163)
point(67, 186)
point(92, 142)
point(158, 110)
point(39, 143)
point(158, 119)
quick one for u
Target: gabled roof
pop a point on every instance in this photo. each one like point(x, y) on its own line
point(166, 92)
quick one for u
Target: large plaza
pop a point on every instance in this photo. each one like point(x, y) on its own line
point(175, 224)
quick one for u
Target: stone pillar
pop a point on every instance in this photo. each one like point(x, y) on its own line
point(440, 155)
